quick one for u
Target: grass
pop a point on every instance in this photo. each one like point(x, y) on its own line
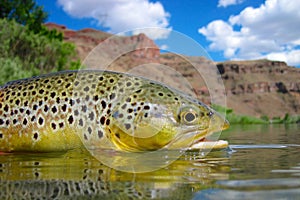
point(244, 119)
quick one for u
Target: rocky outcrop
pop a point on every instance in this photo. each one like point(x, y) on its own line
point(261, 87)
point(87, 39)
point(257, 88)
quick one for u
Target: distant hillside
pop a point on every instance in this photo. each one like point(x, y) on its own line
point(256, 88)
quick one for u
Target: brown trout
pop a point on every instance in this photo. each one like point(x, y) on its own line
point(100, 109)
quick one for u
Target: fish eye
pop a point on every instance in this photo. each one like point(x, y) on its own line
point(188, 116)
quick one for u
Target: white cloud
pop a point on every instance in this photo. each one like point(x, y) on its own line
point(225, 3)
point(164, 47)
point(121, 15)
point(270, 31)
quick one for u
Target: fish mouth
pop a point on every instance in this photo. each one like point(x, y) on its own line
point(195, 136)
point(209, 132)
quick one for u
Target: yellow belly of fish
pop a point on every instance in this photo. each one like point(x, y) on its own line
point(47, 141)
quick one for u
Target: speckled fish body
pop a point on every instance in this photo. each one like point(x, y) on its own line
point(101, 109)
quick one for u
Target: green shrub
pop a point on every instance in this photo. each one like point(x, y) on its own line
point(12, 69)
point(35, 53)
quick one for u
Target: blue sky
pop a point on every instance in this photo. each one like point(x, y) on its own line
point(226, 29)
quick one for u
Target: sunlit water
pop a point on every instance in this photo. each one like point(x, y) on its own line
point(263, 162)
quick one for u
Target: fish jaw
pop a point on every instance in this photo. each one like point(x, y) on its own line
point(186, 139)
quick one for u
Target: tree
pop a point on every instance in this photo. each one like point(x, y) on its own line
point(25, 12)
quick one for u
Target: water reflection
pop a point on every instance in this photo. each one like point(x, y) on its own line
point(263, 163)
point(76, 174)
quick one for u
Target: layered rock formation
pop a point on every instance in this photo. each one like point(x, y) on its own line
point(255, 88)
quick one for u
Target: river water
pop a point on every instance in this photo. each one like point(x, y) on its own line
point(263, 162)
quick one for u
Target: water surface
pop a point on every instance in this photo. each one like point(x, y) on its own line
point(262, 162)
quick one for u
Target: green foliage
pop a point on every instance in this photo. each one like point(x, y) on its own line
point(35, 53)
point(243, 119)
point(12, 69)
point(25, 12)
point(287, 119)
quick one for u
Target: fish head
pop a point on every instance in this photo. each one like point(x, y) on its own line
point(154, 116)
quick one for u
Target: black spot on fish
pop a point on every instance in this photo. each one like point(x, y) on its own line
point(76, 83)
point(64, 94)
point(57, 100)
point(61, 125)
point(1, 135)
point(124, 106)
point(68, 85)
point(70, 119)
point(32, 118)
point(80, 122)
point(103, 104)
point(35, 136)
point(146, 107)
point(96, 98)
point(90, 130)
point(76, 112)
point(100, 134)
point(71, 102)
point(1, 122)
point(6, 108)
point(112, 96)
point(86, 89)
point(41, 91)
point(17, 102)
point(15, 121)
point(54, 109)
point(84, 108)
point(210, 114)
point(102, 120)
point(46, 108)
point(41, 121)
point(25, 122)
point(53, 125)
point(33, 92)
point(127, 126)
point(91, 116)
point(64, 108)
point(52, 94)
point(35, 107)
point(128, 99)
point(107, 122)
point(130, 110)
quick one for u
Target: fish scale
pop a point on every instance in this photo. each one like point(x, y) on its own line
point(98, 109)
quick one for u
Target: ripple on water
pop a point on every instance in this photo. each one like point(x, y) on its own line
point(223, 194)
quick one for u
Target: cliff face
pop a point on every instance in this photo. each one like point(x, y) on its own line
point(261, 87)
point(255, 88)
